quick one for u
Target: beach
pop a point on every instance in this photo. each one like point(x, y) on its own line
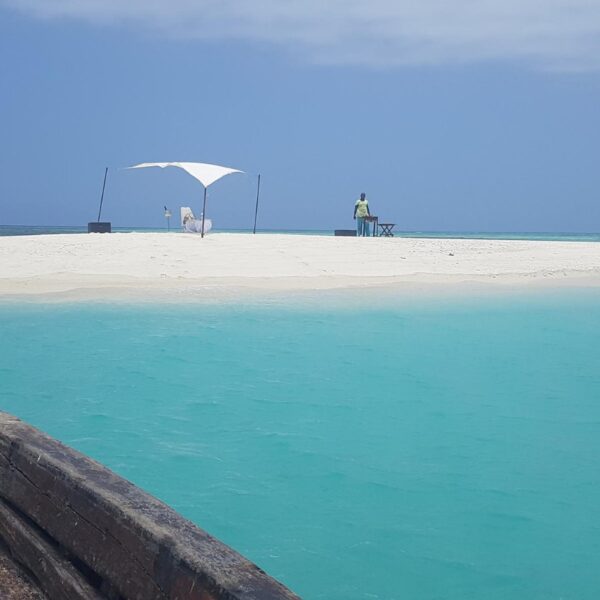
point(359, 417)
point(225, 265)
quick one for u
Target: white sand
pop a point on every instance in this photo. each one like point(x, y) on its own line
point(174, 265)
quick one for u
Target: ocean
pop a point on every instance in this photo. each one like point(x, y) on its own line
point(440, 449)
point(11, 230)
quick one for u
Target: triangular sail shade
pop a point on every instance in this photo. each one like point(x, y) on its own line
point(205, 173)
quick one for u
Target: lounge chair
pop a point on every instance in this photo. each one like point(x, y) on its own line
point(190, 224)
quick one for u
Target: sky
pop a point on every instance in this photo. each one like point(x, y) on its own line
point(450, 116)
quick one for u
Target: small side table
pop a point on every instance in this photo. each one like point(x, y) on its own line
point(385, 229)
point(374, 220)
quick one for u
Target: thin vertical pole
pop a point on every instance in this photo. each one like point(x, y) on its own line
point(102, 197)
point(203, 213)
point(256, 209)
point(168, 217)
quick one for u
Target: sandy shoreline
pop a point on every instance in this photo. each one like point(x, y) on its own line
point(173, 266)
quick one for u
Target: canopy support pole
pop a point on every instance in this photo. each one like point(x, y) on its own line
point(102, 196)
point(256, 209)
point(203, 213)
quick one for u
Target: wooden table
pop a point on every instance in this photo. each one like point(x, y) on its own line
point(373, 219)
point(386, 229)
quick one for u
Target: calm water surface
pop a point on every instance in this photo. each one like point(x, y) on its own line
point(440, 451)
point(12, 230)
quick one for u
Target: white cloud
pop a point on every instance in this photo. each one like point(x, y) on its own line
point(550, 34)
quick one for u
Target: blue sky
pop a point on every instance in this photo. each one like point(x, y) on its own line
point(483, 120)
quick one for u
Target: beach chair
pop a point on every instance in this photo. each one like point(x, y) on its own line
point(190, 224)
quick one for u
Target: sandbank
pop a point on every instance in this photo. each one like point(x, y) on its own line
point(184, 267)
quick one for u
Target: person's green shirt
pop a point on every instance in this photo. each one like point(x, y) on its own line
point(362, 208)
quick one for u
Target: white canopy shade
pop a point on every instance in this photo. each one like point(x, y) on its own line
point(205, 173)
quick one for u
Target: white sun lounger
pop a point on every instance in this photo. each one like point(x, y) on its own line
point(190, 224)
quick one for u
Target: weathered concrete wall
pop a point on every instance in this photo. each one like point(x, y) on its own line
point(85, 533)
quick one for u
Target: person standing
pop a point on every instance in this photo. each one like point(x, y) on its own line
point(361, 210)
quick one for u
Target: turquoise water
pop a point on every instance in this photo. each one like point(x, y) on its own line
point(442, 450)
point(11, 230)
